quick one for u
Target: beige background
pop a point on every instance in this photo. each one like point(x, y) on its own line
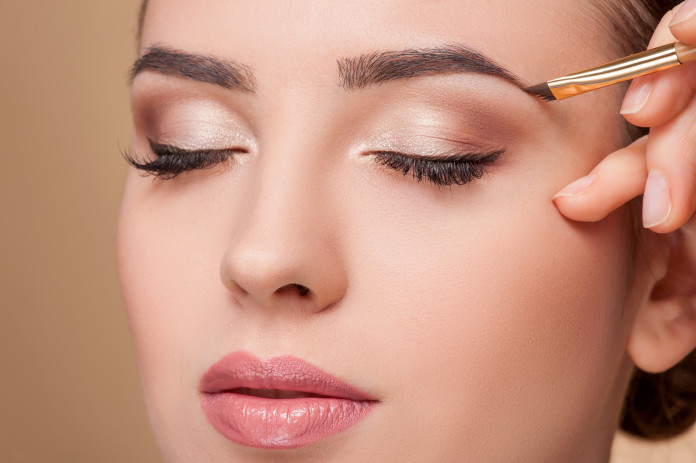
point(68, 385)
point(69, 390)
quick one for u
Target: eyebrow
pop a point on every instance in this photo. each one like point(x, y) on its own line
point(379, 67)
point(354, 73)
point(225, 73)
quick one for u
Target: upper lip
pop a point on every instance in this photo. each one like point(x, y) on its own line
point(288, 373)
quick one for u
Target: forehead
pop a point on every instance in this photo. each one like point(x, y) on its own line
point(535, 39)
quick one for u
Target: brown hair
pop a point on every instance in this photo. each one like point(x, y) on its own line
point(662, 405)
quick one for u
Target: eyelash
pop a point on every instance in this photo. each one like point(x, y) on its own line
point(457, 169)
point(172, 161)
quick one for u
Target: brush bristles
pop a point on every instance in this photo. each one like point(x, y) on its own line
point(542, 91)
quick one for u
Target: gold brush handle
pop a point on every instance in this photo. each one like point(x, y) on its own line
point(640, 64)
point(685, 52)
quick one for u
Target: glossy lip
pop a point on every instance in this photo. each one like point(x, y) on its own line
point(278, 423)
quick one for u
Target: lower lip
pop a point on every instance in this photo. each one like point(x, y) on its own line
point(280, 423)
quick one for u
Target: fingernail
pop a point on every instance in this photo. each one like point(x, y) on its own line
point(657, 204)
point(684, 13)
point(577, 187)
point(636, 97)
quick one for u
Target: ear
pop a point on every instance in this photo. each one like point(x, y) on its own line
point(664, 330)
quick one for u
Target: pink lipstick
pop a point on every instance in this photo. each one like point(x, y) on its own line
point(279, 403)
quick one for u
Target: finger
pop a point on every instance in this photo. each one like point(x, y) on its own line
point(670, 193)
point(663, 33)
point(657, 98)
point(683, 22)
point(619, 178)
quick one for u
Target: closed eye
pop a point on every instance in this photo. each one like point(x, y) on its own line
point(456, 169)
point(172, 161)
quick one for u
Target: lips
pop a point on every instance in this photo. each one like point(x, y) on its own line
point(282, 402)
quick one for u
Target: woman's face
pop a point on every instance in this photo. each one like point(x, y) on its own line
point(482, 324)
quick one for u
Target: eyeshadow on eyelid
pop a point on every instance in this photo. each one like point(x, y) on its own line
point(429, 147)
point(460, 122)
point(455, 135)
point(195, 126)
point(472, 107)
point(200, 137)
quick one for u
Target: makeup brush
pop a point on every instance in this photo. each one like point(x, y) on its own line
point(640, 64)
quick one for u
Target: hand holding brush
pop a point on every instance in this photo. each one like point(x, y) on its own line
point(662, 165)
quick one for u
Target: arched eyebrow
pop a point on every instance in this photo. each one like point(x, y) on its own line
point(354, 73)
point(379, 67)
point(168, 61)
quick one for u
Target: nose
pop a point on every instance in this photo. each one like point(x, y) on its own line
point(284, 254)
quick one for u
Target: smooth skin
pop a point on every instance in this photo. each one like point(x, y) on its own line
point(488, 326)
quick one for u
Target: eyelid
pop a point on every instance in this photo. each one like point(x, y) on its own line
point(439, 144)
point(192, 121)
point(166, 149)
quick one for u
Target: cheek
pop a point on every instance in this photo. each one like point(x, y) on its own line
point(169, 281)
point(496, 319)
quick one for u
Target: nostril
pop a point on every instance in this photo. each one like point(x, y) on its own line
point(302, 289)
